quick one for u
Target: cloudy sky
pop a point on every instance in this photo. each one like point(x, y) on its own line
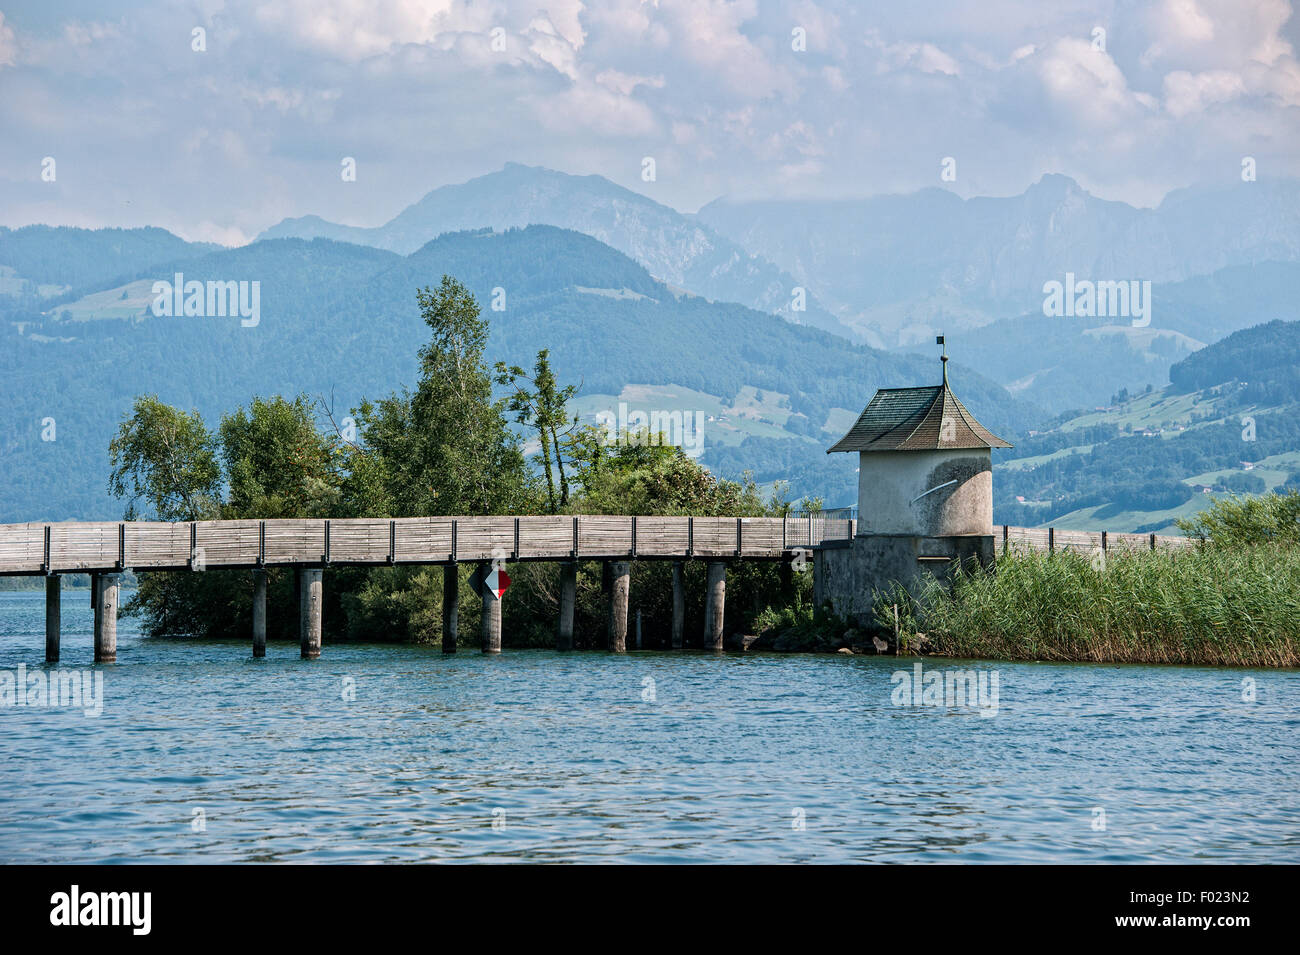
point(220, 143)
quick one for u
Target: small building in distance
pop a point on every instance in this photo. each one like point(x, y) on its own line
point(925, 496)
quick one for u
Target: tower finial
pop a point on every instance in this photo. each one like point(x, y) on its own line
point(943, 358)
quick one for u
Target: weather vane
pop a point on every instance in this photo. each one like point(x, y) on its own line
point(938, 340)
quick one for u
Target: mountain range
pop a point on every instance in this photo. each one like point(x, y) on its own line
point(646, 307)
point(893, 271)
point(1072, 364)
point(340, 321)
point(1228, 423)
point(897, 268)
point(674, 248)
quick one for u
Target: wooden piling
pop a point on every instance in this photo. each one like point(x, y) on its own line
point(450, 607)
point(94, 599)
point(679, 605)
point(716, 597)
point(568, 602)
point(620, 587)
point(490, 622)
point(259, 612)
point(309, 611)
point(53, 615)
point(106, 588)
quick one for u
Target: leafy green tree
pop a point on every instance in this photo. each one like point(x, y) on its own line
point(1240, 521)
point(645, 476)
point(447, 447)
point(588, 449)
point(545, 409)
point(278, 462)
point(369, 475)
point(168, 458)
point(444, 447)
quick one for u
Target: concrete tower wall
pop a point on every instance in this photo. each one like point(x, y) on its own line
point(890, 485)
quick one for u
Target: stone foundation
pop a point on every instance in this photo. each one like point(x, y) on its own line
point(846, 573)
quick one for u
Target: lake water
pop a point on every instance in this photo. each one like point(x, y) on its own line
point(203, 754)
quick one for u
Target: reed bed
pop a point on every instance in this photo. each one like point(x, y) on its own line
point(1212, 605)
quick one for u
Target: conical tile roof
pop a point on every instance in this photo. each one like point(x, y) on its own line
point(916, 419)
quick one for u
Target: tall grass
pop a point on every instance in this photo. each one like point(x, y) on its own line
point(1225, 606)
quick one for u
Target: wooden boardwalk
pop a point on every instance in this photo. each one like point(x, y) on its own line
point(73, 547)
point(106, 549)
point(101, 546)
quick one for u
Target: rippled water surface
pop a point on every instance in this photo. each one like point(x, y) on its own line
point(649, 757)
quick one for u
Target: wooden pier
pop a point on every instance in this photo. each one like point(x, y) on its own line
point(106, 550)
point(102, 547)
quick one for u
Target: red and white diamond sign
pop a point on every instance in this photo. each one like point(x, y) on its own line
point(497, 581)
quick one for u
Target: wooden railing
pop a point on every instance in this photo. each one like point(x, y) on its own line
point(37, 548)
point(1051, 539)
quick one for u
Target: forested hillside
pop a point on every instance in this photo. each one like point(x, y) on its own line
point(1264, 358)
point(62, 258)
point(340, 322)
point(1064, 364)
point(1228, 423)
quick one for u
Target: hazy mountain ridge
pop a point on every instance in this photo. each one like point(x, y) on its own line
point(1072, 363)
point(902, 265)
point(45, 262)
point(339, 319)
point(673, 247)
point(612, 325)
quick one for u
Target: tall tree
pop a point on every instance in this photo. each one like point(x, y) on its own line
point(543, 407)
point(168, 458)
point(447, 447)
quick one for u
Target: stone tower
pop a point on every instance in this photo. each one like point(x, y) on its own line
point(925, 496)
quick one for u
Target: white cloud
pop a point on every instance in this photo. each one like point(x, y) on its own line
point(588, 106)
point(711, 88)
point(81, 34)
point(923, 57)
point(834, 77)
point(8, 44)
point(625, 83)
point(825, 33)
point(207, 231)
point(565, 17)
point(1191, 92)
point(278, 97)
point(707, 33)
point(1223, 51)
point(684, 134)
point(553, 48)
point(355, 29)
point(1088, 83)
point(1282, 81)
point(1198, 35)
